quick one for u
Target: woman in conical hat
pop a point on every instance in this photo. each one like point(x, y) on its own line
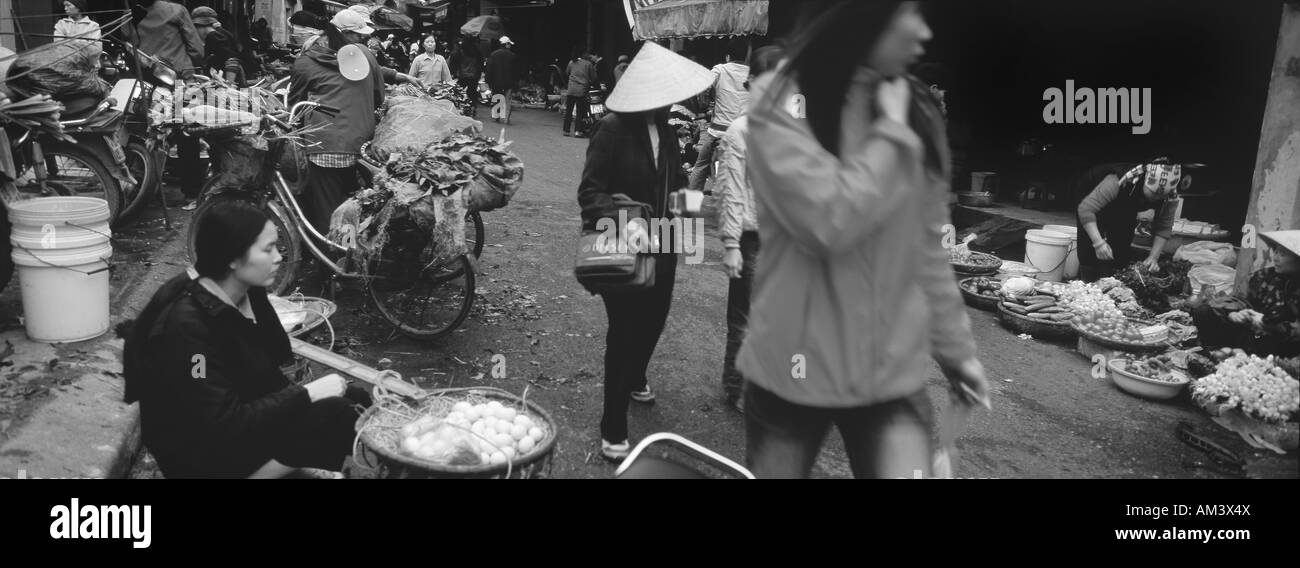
point(633, 151)
point(1265, 318)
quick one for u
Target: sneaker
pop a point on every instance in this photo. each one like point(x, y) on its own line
point(192, 205)
point(644, 395)
point(615, 452)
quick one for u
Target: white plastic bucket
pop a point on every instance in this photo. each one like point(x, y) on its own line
point(1072, 261)
point(983, 181)
point(62, 253)
point(1047, 251)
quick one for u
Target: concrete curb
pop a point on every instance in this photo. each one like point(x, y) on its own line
point(86, 430)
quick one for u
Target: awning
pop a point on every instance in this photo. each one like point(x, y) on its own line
point(670, 19)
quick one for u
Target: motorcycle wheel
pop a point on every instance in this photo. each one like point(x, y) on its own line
point(144, 166)
point(82, 172)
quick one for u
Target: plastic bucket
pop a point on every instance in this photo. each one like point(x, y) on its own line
point(983, 181)
point(1071, 261)
point(1047, 251)
point(62, 252)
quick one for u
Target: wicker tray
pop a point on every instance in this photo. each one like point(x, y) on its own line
point(977, 301)
point(378, 452)
point(989, 265)
point(1034, 326)
point(1124, 345)
point(317, 311)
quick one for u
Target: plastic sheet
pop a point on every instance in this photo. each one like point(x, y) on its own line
point(412, 123)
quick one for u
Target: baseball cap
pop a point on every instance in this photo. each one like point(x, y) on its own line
point(204, 16)
point(353, 21)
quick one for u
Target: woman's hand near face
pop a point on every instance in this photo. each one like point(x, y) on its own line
point(328, 386)
point(894, 98)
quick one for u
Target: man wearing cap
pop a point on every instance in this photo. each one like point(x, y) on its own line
point(501, 75)
point(338, 72)
point(1265, 319)
point(633, 151)
point(221, 50)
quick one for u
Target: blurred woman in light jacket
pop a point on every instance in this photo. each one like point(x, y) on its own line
point(853, 287)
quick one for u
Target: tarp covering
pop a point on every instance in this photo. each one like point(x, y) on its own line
point(670, 19)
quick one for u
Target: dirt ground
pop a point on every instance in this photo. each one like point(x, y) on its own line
point(1050, 418)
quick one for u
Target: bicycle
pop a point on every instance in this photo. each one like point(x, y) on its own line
point(422, 292)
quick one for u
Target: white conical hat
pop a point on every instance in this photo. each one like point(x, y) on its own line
point(657, 78)
point(1289, 240)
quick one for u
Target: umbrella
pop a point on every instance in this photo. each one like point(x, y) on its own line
point(485, 28)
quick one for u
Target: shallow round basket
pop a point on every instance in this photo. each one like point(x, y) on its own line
point(1139, 385)
point(317, 310)
point(1012, 268)
point(380, 439)
point(1043, 329)
point(975, 300)
point(975, 198)
point(1103, 343)
point(982, 264)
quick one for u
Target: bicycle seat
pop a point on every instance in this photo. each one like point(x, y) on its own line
point(76, 108)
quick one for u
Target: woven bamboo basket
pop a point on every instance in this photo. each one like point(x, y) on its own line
point(1034, 326)
point(379, 438)
point(975, 300)
point(982, 264)
point(1092, 344)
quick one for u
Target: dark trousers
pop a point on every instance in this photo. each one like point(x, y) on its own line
point(322, 437)
point(738, 293)
point(584, 109)
point(192, 172)
point(471, 91)
point(636, 319)
point(329, 188)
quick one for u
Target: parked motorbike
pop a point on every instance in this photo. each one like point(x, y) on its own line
point(596, 108)
point(141, 81)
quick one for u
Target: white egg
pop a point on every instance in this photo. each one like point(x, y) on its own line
point(504, 441)
point(472, 413)
point(526, 444)
point(477, 427)
point(455, 417)
point(509, 451)
point(485, 457)
point(518, 432)
point(506, 413)
point(426, 451)
point(462, 407)
point(439, 447)
point(535, 433)
point(493, 406)
point(427, 437)
point(498, 458)
point(409, 430)
point(411, 444)
point(524, 420)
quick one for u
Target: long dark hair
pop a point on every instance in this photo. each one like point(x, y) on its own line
point(225, 235)
point(335, 36)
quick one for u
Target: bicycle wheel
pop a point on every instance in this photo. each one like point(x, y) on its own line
point(81, 171)
point(474, 233)
point(143, 165)
point(289, 244)
point(420, 292)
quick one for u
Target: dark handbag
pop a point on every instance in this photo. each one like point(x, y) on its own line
point(600, 269)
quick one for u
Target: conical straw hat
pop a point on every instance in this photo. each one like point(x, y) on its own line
point(1289, 240)
point(657, 78)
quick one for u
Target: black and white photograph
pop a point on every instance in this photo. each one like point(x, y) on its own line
point(650, 239)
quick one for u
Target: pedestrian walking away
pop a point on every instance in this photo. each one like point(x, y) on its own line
point(467, 64)
point(633, 151)
point(502, 76)
point(204, 357)
point(730, 101)
point(853, 288)
point(582, 75)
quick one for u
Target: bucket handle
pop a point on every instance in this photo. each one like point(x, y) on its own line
point(107, 265)
point(1053, 269)
point(109, 237)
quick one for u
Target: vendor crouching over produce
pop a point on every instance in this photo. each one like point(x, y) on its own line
point(1265, 320)
point(1110, 197)
point(204, 359)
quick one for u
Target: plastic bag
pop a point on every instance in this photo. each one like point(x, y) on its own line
point(446, 444)
point(62, 70)
point(1207, 252)
point(412, 123)
point(1218, 277)
point(496, 185)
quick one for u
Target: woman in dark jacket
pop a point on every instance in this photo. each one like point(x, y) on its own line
point(467, 64)
point(204, 362)
point(634, 152)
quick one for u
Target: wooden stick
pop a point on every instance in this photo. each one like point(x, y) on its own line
point(354, 369)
